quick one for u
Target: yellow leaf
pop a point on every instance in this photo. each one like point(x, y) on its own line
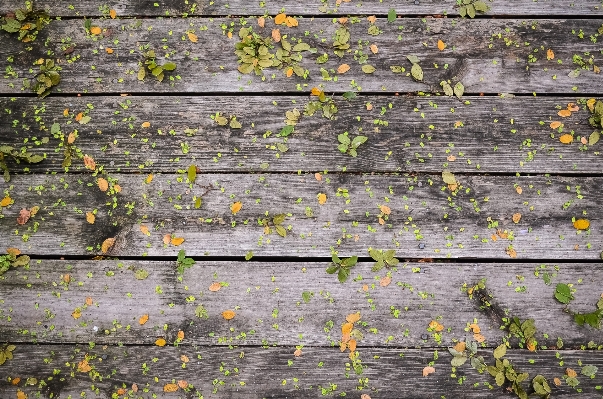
point(343, 68)
point(280, 18)
point(289, 72)
point(146, 124)
point(192, 37)
point(555, 124)
point(436, 326)
point(566, 138)
point(228, 314)
point(160, 342)
point(550, 55)
point(95, 30)
point(90, 218)
point(581, 224)
point(516, 217)
point(519, 190)
point(143, 319)
point(145, 230)
point(176, 241)
point(6, 201)
point(112, 13)
point(149, 179)
point(564, 113)
point(103, 184)
point(428, 370)
point(590, 103)
point(21, 394)
point(347, 328)
point(236, 207)
point(107, 244)
point(83, 366)
point(66, 112)
point(441, 45)
point(374, 48)
point(229, 35)
point(77, 313)
point(291, 22)
point(353, 317)
point(170, 388)
point(276, 35)
point(322, 198)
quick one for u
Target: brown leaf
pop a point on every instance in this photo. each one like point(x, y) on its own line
point(261, 22)
point(291, 22)
point(318, 176)
point(13, 251)
point(460, 346)
point(103, 184)
point(146, 124)
point(215, 286)
point(343, 68)
point(564, 113)
point(297, 353)
point(550, 54)
point(276, 35)
point(107, 244)
point(556, 381)
point(23, 217)
point(180, 335)
point(519, 190)
point(516, 217)
point(479, 337)
point(352, 345)
point(83, 366)
point(571, 373)
point(385, 209)
point(555, 124)
point(428, 370)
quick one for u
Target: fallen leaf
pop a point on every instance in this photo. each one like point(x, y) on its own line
point(21, 394)
point(121, 391)
point(365, 396)
point(67, 278)
point(276, 35)
point(566, 138)
point(343, 346)
point(117, 188)
point(584, 140)
point(13, 251)
point(571, 373)
point(385, 281)
point(83, 366)
point(180, 335)
point(581, 224)
point(550, 55)
point(353, 317)
point(441, 45)
point(385, 209)
point(280, 18)
point(347, 328)
point(89, 301)
point(89, 162)
point(479, 338)
point(531, 346)
point(317, 176)
point(95, 30)
point(371, 19)
point(511, 252)
point(77, 313)
point(167, 238)
point(109, 50)
point(145, 230)
point(107, 244)
point(149, 179)
point(322, 198)
point(564, 113)
point(170, 388)
point(182, 384)
point(236, 207)
point(78, 118)
point(177, 241)
point(555, 124)
point(297, 353)
point(135, 388)
point(184, 359)
point(228, 314)
point(261, 22)
point(428, 370)
point(590, 103)
point(460, 346)
point(23, 217)
point(289, 72)
point(365, 287)
point(343, 20)
point(215, 286)
point(103, 184)
point(436, 326)
point(146, 124)
point(343, 68)
point(556, 381)
point(160, 342)
point(374, 48)
point(291, 22)
point(475, 328)
point(516, 217)
point(6, 201)
point(15, 381)
point(572, 107)
point(143, 319)
point(519, 190)
point(192, 37)
point(112, 13)
point(352, 345)
point(229, 35)
point(451, 158)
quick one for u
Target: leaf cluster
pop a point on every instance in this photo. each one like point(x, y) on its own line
point(416, 71)
point(470, 352)
point(290, 56)
point(450, 91)
point(275, 223)
point(348, 146)
point(6, 353)
point(7, 151)
point(593, 319)
point(342, 41)
point(182, 262)
point(253, 52)
point(324, 104)
point(471, 7)
point(524, 330)
point(541, 387)
point(596, 119)
point(156, 69)
point(26, 22)
point(223, 121)
point(10, 260)
point(46, 79)
point(503, 372)
point(342, 267)
point(383, 259)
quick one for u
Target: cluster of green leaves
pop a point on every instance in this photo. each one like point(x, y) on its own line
point(7, 261)
point(46, 79)
point(6, 151)
point(383, 259)
point(563, 293)
point(450, 91)
point(470, 352)
point(503, 372)
point(26, 22)
point(596, 119)
point(182, 262)
point(325, 104)
point(253, 52)
point(471, 7)
point(348, 146)
point(342, 41)
point(541, 387)
point(6, 353)
point(593, 319)
point(223, 121)
point(156, 70)
point(525, 331)
point(290, 56)
point(342, 267)
point(416, 71)
point(275, 223)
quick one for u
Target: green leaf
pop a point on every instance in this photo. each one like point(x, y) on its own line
point(280, 230)
point(141, 274)
point(500, 351)
point(448, 177)
point(349, 262)
point(301, 47)
point(282, 147)
point(397, 69)
point(343, 148)
point(22, 260)
point(192, 173)
point(332, 269)
point(463, 11)
point(378, 266)
point(200, 312)
point(353, 152)
point(500, 378)
point(563, 293)
point(594, 138)
point(541, 386)
point(157, 71)
point(287, 130)
point(376, 254)
point(245, 68)
point(447, 88)
point(459, 89)
point(480, 6)
point(335, 259)
point(249, 255)
point(141, 73)
point(349, 95)
point(368, 68)
point(306, 296)
point(391, 15)
point(417, 72)
point(458, 361)
point(85, 119)
point(279, 219)
point(235, 124)
point(170, 66)
point(55, 128)
point(220, 120)
point(589, 371)
point(471, 11)
point(413, 59)
point(358, 140)
point(344, 139)
point(343, 274)
point(87, 23)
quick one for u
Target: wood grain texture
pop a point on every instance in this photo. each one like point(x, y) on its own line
point(497, 135)
point(426, 220)
point(152, 8)
point(244, 372)
point(487, 56)
point(38, 304)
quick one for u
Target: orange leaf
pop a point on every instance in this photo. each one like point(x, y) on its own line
point(571, 373)
point(343, 68)
point(385, 209)
point(573, 107)
point(167, 238)
point(149, 179)
point(460, 346)
point(566, 138)
point(352, 345)
point(374, 48)
point(564, 113)
point(192, 37)
point(276, 35)
point(77, 313)
point(291, 22)
point(170, 388)
point(78, 117)
point(145, 230)
point(89, 162)
point(343, 20)
point(71, 136)
point(109, 50)
point(280, 18)
point(519, 190)
point(89, 301)
point(146, 124)
point(143, 319)
point(16, 381)
point(181, 335)
point(511, 252)
point(516, 217)
point(112, 13)
point(95, 30)
point(228, 314)
point(13, 251)
point(103, 184)
point(372, 19)
point(135, 387)
point(176, 241)
point(556, 381)
point(550, 55)
point(385, 281)
point(479, 337)
point(297, 353)
point(581, 224)
point(428, 370)
point(347, 328)
point(441, 45)
point(107, 244)
point(436, 326)
point(475, 328)
point(66, 112)
point(555, 124)
point(121, 391)
point(215, 286)
point(182, 384)
point(343, 346)
point(261, 22)
point(322, 198)
point(229, 35)
point(236, 207)
point(83, 366)
point(289, 72)
point(353, 317)
point(117, 188)
point(318, 176)
point(6, 201)
point(160, 342)
point(184, 359)
point(365, 287)
point(21, 394)
point(315, 91)
point(345, 338)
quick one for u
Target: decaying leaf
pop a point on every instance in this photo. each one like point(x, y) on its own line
point(182, 384)
point(555, 124)
point(89, 162)
point(516, 217)
point(280, 18)
point(95, 30)
point(347, 328)
point(566, 138)
point(322, 198)
point(215, 286)
point(192, 37)
point(90, 218)
point(428, 370)
point(24, 215)
point(297, 353)
point(103, 184)
point(550, 55)
point(83, 366)
point(343, 68)
point(564, 113)
point(112, 13)
point(176, 241)
point(436, 326)
point(107, 244)
point(353, 317)
point(385, 281)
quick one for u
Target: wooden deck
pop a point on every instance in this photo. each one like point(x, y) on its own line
point(137, 180)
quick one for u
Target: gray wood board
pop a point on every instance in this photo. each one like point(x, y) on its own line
point(314, 7)
point(490, 56)
point(426, 220)
point(498, 135)
point(38, 305)
point(243, 372)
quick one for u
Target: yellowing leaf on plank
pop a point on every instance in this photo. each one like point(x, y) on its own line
point(192, 37)
point(555, 124)
point(460, 346)
point(289, 72)
point(590, 103)
point(145, 230)
point(107, 244)
point(170, 388)
point(428, 370)
point(352, 345)
point(95, 30)
point(90, 218)
point(550, 55)
point(149, 179)
point(566, 138)
point(374, 48)
point(160, 342)
point(77, 313)
point(276, 35)
point(316, 91)
point(228, 314)
point(236, 207)
point(184, 359)
point(143, 319)
point(571, 373)
point(6, 201)
point(21, 394)
point(343, 68)
point(109, 50)
point(347, 328)
point(436, 326)
point(441, 45)
point(229, 35)
point(385, 209)
point(112, 13)
point(89, 301)
point(167, 238)
point(89, 162)
point(280, 18)
point(353, 317)
point(322, 198)
point(215, 286)
point(291, 22)
point(572, 107)
point(146, 124)
point(83, 366)
point(371, 19)
point(103, 184)
point(13, 251)
point(581, 224)
point(177, 241)
point(516, 217)
point(261, 22)
point(385, 281)
point(564, 113)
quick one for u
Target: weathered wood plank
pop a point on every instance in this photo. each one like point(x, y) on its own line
point(38, 304)
point(312, 7)
point(244, 372)
point(490, 56)
point(426, 219)
point(497, 135)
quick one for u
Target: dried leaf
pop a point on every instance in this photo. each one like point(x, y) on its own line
point(149, 179)
point(184, 359)
point(460, 346)
point(6, 201)
point(261, 22)
point(436, 326)
point(371, 19)
point(318, 176)
point(572, 107)
point(571, 373)
point(475, 328)
point(566, 138)
point(385, 281)
point(556, 381)
point(581, 224)
point(177, 241)
point(291, 22)
point(13, 251)
point(236, 207)
point(385, 210)
point(297, 353)
point(353, 317)
point(167, 238)
point(109, 50)
point(103, 184)
point(322, 198)
point(20, 393)
point(343, 68)
point(182, 384)
point(77, 313)
point(516, 217)
point(280, 18)
point(511, 252)
point(215, 286)
point(550, 55)
point(519, 190)
point(112, 13)
point(83, 366)
point(276, 35)
point(170, 388)
point(89, 162)
point(143, 319)
point(479, 338)
point(95, 30)
point(160, 342)
point(192, 37)
point(228, 314)
point(564, 113)
point(23, 217)
point(374, 48)
point(107, 244)
point(441, 45)
point(146, 124)
point(180, 335)
point(347, 328)
point(428, 370)
point(555, 124)
point(89, 301)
